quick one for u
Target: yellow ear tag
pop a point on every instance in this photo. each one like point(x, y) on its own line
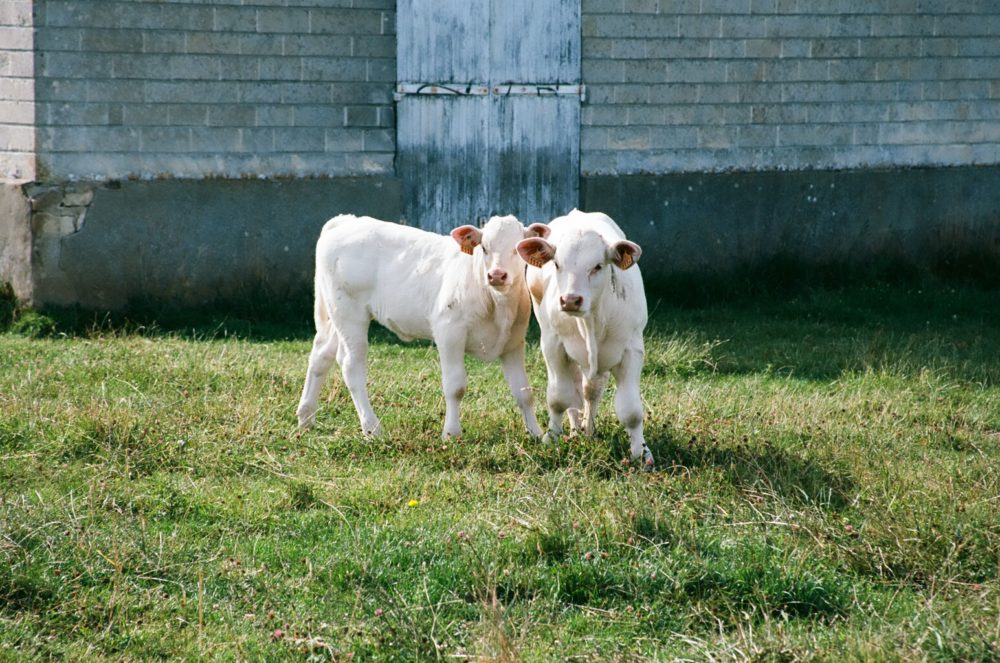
point(466, 248)
point(626, 261)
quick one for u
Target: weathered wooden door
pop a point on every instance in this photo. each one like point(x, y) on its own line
point(488, 109)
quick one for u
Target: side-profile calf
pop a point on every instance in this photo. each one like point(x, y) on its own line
point(588, 297)
point(465, 292)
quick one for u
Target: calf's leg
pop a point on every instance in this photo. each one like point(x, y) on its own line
point(520, 388)
point(451, 350)
point(352, 354)
point(321, 359)
point(628, 405)
point(562, 391)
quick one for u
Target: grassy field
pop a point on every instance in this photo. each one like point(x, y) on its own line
point(827, 488)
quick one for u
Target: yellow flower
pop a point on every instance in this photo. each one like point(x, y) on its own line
point(412, 503)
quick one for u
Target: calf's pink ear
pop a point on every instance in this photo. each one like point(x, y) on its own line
point(536, 230)
point(468, 238)
point(535, 251)
point(624, 253)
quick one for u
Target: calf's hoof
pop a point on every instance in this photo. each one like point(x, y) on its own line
point(644, 459)
point(306, 416)
point(372, 429)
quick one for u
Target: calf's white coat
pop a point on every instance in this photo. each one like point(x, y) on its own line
point(465, 292)
point(588, 297)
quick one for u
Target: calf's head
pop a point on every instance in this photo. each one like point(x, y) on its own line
point(494, 248)
point(581, 263)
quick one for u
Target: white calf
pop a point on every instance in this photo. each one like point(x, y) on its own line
point(589, 301)
point(467, 293)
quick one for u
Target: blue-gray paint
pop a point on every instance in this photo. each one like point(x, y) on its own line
point(463, 157)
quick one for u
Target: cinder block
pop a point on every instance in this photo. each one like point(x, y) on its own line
point(238, 68)
point(240, 115)
point(750, 70)
point(117, 41)
point(717, 138)
point(361, 116)
point(161, 41)
point(333, 69)
point(672, 137)
point(219, 140)
point(638, 115)
point(674, 94)
point(16, 13)
point(322, 115)
point(194, 67)
point(682, 48)
point(299, 139)
point(69, 114)
point(190, 91)
point(74, 65)
point(629, 138)
point(694, 26)
point(17, 138)
point(725, 6)
point(727, 48)
point(280, 69)
point(17, 112)
point(641, 6)
point(346, 22)
point(235, 19)
point(255, 140)
point(894, 47)
point(596, 48)
point(856, 70)
point(185, 115)
point(593, 139)
point(629, 49)
point(137, 115)
point(166, 139)
point(343, 140)
point(757, 136)
point(602, 6)
point(695, 71)
point(379, 140)
point(275, 115)
point(743, 27)
point(762, 48)
point(322, 45)
point(213, 42)
point(83, 139)
point(644, 71)
point(57, 39)
point(381, 70)
point(603, 71)
point(284, 20)
point(851, 26)
point(359, 93)
point(798, 135)
point(834, 48)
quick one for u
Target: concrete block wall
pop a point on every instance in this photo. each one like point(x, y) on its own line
point(216, 88)
point(17, 91)
point(713, 85)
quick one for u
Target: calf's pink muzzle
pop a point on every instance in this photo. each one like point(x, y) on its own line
point(496, 277)
point(571, 303)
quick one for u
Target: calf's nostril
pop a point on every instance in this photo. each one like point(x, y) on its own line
point(571, 302)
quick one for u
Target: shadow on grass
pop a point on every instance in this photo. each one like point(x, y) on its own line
point(760, 467)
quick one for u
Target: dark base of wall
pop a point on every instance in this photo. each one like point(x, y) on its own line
point(826, 225)
point(193, 242)
point(198, 241)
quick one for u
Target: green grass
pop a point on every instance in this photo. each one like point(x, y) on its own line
point(827, 488)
